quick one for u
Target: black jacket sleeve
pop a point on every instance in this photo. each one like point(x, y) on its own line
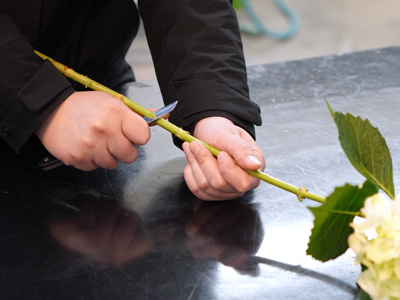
point(197, 53)
point(30, 88)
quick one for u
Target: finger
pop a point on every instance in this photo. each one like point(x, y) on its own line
point(245, 151)
point(202, 248)
point(195, 173)
point(238, 178)
point(195, 189)
point(233, 258)
point(200, 218)
point(135, 128)
point(191, 180)
point(87, 166)
point(197, 181)
point(106, 160)
point(192, 185)
point(206, 163)
point(78, 160)
point(101, 156)
point(123, 149)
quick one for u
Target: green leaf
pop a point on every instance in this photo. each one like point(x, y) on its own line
point(363, 296)
point(366, 149)
point(331, 229)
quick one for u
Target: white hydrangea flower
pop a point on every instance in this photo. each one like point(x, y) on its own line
point(376, 209)
point(379, 252)
point(358, 242)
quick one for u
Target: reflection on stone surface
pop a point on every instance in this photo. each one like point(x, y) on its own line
point(101, 230)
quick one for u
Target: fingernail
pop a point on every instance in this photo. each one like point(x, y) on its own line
point(253, 160)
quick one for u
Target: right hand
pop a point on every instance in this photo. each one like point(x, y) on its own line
point(101, 230)
point(91, 129)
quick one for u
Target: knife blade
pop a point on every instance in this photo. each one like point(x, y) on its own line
point(162, 112)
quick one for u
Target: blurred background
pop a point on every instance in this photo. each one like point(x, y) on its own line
point(298, 29)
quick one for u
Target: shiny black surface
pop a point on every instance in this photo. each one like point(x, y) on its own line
point(136, 232)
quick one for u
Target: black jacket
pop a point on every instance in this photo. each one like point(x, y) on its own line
point(195, 46)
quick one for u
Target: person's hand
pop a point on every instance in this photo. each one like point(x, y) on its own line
point(101, 230)
point(227, 232)
point(221, 179)
point(91, 129)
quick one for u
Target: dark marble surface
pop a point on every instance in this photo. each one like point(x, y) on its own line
point(136, 232)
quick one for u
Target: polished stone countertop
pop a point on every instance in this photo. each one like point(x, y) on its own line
point(137, 232)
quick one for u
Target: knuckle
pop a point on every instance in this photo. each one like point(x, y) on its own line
point(203, 185)
point(242, 189)
point(191, 183)
point(87, 142)
point(256, 185)
point(67, 162)
point(133, 155)
point(106, 162)
point(217, 183)
point(186, 172)
point(99, 126)
point(144, 136)
point(76, 158)
point(86, 168)
point(243, 186)
point(201, 160)
point(224, 169)
point(111, 164)
point(195, 190)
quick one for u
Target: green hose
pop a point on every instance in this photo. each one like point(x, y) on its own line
point(257, 27)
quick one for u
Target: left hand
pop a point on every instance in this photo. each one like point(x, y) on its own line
point(227, 232)
point(221, 179)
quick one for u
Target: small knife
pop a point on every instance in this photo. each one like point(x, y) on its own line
point(162, 112)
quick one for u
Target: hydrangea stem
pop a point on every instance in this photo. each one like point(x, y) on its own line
point(301, 193)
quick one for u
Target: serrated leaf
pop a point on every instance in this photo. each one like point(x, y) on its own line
point(331, 228)
point(366, 149)
point(363, 296)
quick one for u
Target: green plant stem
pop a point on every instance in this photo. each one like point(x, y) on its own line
point(301, 193)
point(350, 213)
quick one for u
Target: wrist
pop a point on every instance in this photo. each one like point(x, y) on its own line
point(211, 122)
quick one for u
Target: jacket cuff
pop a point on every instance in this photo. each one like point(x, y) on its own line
point(199, 96)
point(45, 90)
point(202, 99)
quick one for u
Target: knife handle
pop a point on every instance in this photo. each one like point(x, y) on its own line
point(49, 162)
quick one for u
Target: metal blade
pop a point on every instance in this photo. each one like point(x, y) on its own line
point(162, 112)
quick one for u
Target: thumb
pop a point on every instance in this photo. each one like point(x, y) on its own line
point(154, 110)
point(135, 128)
point(244, 151)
